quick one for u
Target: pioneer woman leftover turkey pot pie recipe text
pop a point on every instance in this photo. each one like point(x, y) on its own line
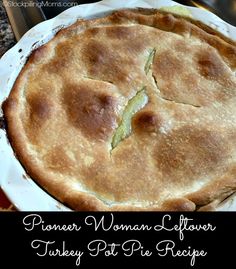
point(132, 111)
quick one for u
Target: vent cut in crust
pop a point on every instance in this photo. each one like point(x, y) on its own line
point(133, 111)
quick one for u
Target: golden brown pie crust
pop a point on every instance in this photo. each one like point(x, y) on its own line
point(69, 98)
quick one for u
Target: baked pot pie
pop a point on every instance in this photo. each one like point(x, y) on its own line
point(132, 111)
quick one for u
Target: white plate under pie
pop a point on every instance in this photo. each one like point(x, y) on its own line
point(23, 192)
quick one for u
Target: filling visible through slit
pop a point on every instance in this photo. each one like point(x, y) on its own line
point(134, 105)
point(149, 62)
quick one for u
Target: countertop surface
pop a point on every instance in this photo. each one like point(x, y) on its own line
point(7, 40)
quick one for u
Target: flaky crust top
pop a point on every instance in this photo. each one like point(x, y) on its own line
point(70, 99)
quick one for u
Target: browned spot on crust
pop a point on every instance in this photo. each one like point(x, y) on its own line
point(40, 107)
point(56, 66)
point(38, 113)
point(190, 152)
point(146, 121)
point(230, 53)
point(92, 112)
point(180, 45)
point(128, 34)
point(181, 27)
point(119, 17)
point(227, 51)
point(119, 32)
point(58, 160)
point(92, 31)
point(210, 65)
point(167, 65)
point(191, 81)
point(64, 56)
point(106, 63)
point(96, 53)
point(166, 22)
